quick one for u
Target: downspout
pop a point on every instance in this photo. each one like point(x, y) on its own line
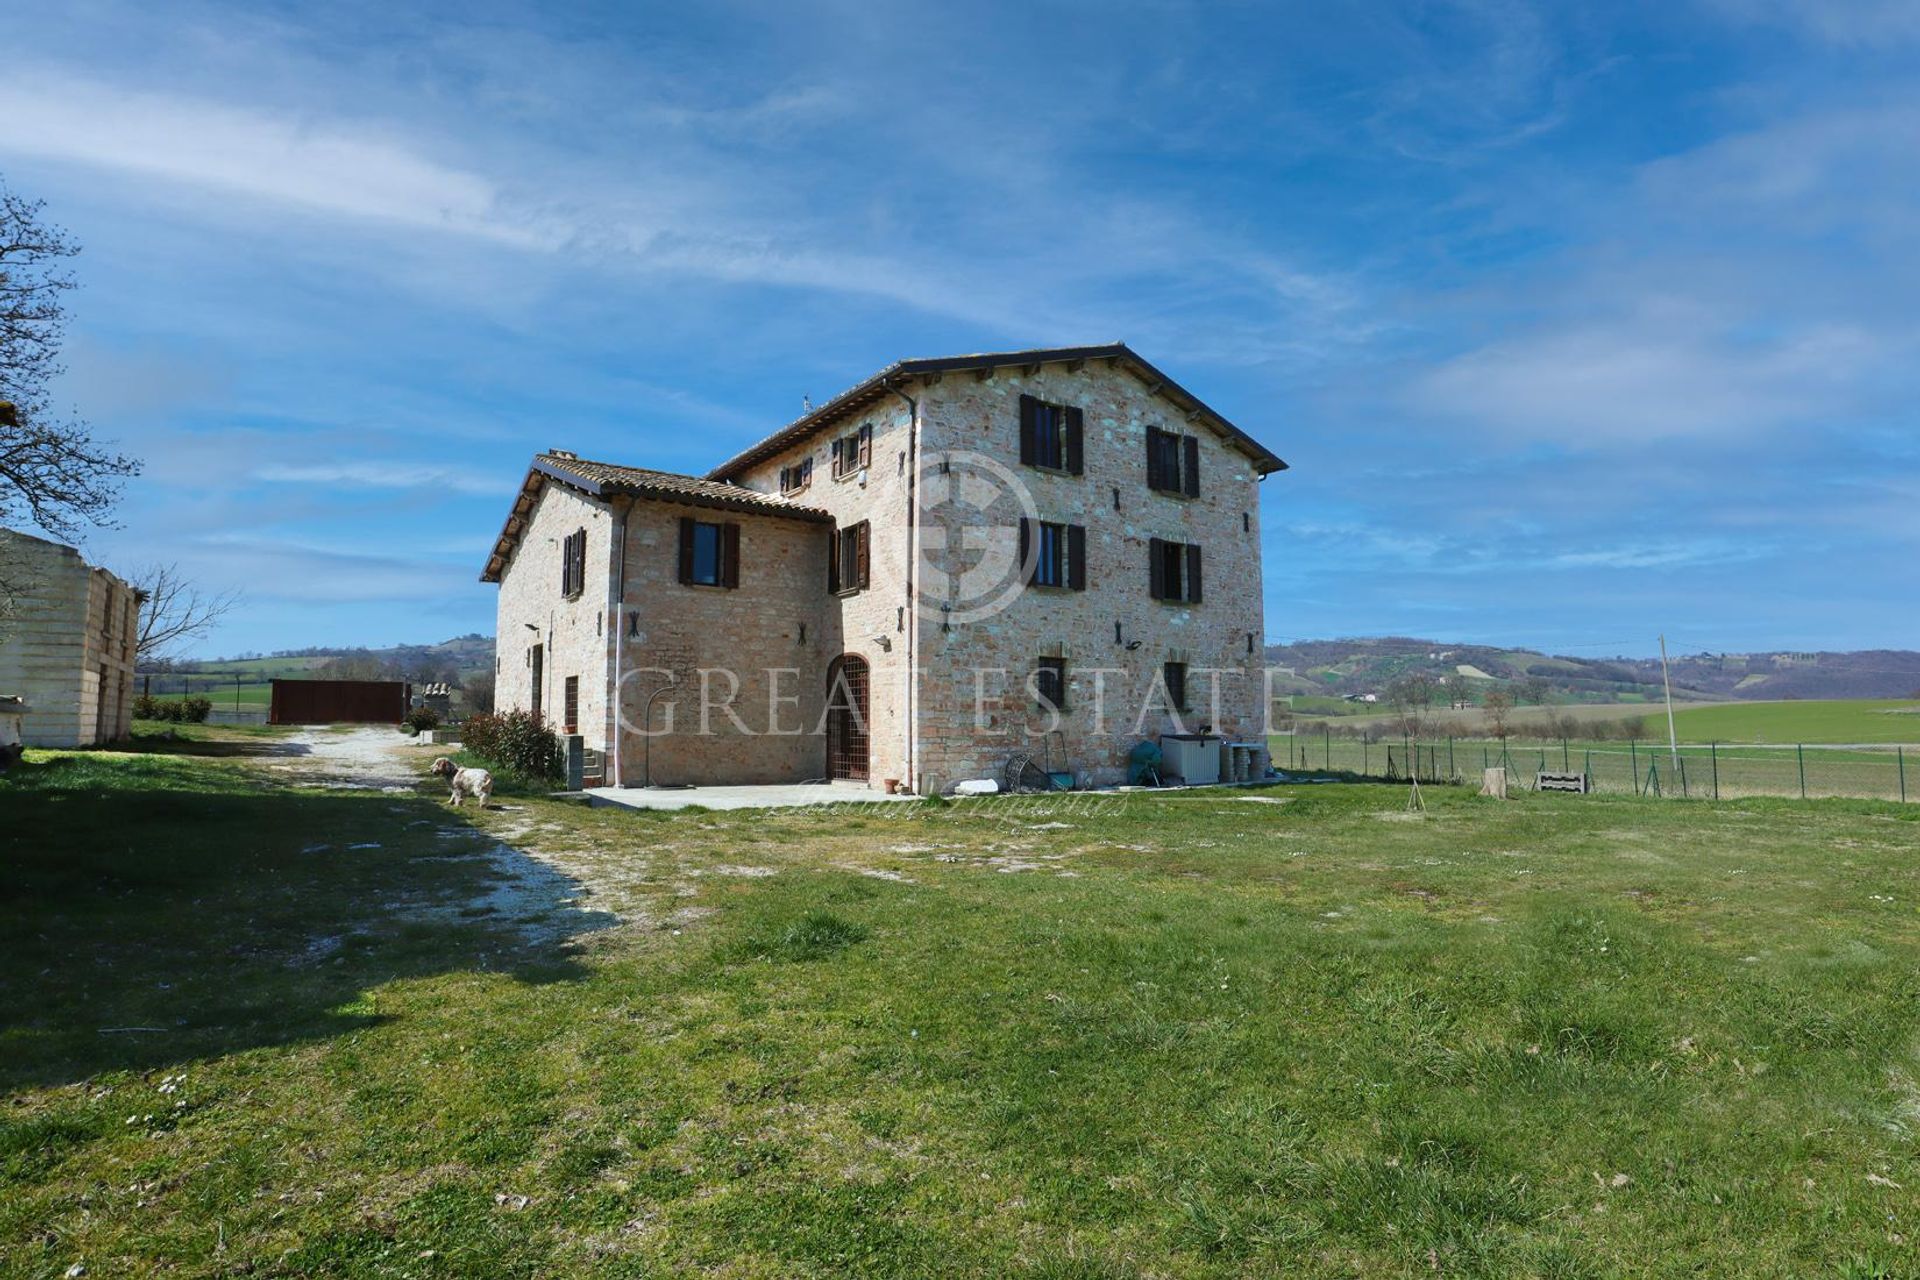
point(620, 638)
point(911, 733)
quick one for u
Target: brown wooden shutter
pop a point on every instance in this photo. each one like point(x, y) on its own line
point(1029, 429)
point(1077, 557)
point(860, 554)
point(686, 549)
point(1076, 457)
point(1028, 562)
point(1156, 569)
point(1190, 473)
point(833, 560)
point(866, 444)
point(729, 555)
point(1153, 458)
point(1193, 573)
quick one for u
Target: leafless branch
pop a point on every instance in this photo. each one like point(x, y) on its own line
point(172, 609)
point(51, 468)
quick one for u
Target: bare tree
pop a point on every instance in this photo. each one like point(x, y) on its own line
point(1498, 709)
point(172, 609)
point(478, 689)
point(1411, 696)
point(51, 469)
point(1459, 689)
point(1534, 689)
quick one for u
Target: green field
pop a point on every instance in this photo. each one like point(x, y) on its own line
point(1853, 720)
point(1781, 723)
point(250, 1028)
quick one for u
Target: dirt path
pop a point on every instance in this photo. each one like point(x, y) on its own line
point(355, 757)
point(542, 897)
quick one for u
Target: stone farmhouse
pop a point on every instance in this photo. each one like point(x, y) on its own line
point(67, 642)
point(1054, 552)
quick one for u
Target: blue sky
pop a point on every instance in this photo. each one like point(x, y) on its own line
point(1577, 323)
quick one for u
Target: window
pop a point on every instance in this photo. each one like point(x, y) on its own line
point(571, 710)
point(1173, 462)
point(796, 477)
point(852, 452)
point(1174, 571)
point(1050, 683)
point(848, 564)
point(1054, 555)
point(709, 553)
point(537, 667)
point(1175, 676)
point(1050, 435)
point(573, 564)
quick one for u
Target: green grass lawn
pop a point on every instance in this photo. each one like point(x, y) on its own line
point(250, 1029)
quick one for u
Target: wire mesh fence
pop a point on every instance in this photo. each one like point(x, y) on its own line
point(1711, 771)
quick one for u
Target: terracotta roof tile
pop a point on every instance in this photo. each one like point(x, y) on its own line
point(609, 479)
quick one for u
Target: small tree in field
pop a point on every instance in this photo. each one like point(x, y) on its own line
point(1497, 709)
point(1459, 690)
point(1411, 697)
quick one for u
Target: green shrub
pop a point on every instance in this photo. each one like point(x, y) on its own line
point(420, 719)
point(189, 710)
point(517, 742)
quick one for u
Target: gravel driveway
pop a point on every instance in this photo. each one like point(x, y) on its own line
point(359, 757)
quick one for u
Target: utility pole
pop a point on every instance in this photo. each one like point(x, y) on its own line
point(1673, 740)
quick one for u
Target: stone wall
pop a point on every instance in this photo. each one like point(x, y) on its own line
point(1111, 678)
point(871, 624)
point(573, 633)
point(768, 638)
point(68, 645)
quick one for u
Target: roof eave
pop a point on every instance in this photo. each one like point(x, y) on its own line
point(1265, 461)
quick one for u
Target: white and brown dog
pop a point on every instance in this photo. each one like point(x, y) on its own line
point(465, 782)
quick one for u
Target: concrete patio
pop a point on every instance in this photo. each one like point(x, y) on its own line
point(773, 796)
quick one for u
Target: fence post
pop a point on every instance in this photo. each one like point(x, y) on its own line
point(1365, 753)
point(1715, 748)
point(1900, 758)
point(1565, 763)
point(1683, 777)
point(1633, 754)
point(1327, 737)
point(1451, 771)
point(1800, 750)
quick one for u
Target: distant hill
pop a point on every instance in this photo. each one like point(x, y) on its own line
point(1338, 668)
point(448, 660)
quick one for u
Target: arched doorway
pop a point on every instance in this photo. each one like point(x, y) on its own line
point(847, 685)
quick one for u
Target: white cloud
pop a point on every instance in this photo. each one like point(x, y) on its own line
point(1601, 384)
point(395, 474)
point(1838, 22)
point(326, 168)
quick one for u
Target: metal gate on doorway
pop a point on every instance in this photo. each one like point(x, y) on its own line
point(847, 689)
